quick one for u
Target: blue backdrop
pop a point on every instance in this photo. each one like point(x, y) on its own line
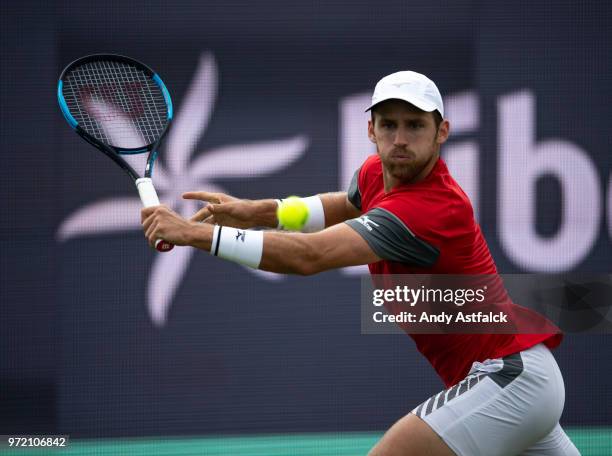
point(100, 336)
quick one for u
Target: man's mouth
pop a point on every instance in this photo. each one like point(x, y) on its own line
point(401, 156)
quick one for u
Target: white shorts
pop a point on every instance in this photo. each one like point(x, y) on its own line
point(507, 406)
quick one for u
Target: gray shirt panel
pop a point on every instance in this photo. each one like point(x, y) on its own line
point(353, 193)
point(392, 240)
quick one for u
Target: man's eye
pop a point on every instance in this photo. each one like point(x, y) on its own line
point(417, 125)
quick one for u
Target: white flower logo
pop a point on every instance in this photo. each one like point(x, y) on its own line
point(236, 161)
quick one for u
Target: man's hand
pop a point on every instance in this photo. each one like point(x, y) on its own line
point(226, 210)
point(161, 222)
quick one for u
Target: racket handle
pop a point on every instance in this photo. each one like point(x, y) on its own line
point(149, 198)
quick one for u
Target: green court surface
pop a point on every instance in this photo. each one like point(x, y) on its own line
point(590, 442)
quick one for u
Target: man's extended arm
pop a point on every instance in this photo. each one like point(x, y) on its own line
point(229, 211)
point(290, 253)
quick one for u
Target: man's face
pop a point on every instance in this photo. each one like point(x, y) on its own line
point(406, 138)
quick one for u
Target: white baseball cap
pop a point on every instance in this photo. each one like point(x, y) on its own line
point(414, 88)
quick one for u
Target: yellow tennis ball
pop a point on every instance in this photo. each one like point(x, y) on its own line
point(292, 213)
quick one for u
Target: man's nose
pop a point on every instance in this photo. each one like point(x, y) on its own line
point(401, 137)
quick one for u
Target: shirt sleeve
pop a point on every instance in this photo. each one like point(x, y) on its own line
point(353, 193)
point(392, 240)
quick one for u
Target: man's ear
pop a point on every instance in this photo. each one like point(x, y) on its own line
point(443, 132)
point(371, 134)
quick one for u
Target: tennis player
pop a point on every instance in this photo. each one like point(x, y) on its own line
point(404, 213)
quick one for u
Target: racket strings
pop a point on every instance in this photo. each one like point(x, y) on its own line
point(116, 103)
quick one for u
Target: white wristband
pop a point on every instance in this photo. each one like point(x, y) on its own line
point(237, 245)
point(316, 215)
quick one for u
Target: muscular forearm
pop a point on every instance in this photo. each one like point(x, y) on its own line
point(200, 236)
point(265, 213)
point(290, 253)
point(281, 252)
point(275, 257)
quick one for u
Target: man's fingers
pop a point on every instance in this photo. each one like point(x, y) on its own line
point(226, 208)
point(147, 222)
point(151, 214)
point(149, 233)
point(201, 214)
point(146, 212)
point(211, 197)
point(203, 196)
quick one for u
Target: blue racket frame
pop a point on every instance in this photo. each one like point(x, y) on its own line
point(112, 152)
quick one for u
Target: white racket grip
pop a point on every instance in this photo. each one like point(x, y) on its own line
point(149, 198)
point(147, 192)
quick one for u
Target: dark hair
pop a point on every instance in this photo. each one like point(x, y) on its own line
point(436, 116)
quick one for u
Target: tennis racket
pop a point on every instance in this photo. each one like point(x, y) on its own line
point(120, 106)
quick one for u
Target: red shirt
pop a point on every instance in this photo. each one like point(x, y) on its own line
point(437, 211)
